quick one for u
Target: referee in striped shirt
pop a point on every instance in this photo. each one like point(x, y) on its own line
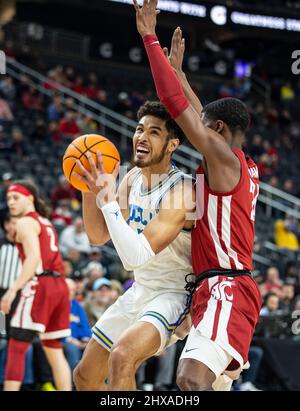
point(10, 267)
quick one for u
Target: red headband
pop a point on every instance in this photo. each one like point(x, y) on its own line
point(19, 189)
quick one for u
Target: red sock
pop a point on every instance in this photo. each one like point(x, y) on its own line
point(15, 362)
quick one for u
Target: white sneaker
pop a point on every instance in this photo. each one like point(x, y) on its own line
point(248, 386)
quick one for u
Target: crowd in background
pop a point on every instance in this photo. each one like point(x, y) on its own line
point(95, 275)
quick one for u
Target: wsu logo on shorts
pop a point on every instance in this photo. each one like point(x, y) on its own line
point(222, 291)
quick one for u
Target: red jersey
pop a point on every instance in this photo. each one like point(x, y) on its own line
point(51, 258)
point(224, 237)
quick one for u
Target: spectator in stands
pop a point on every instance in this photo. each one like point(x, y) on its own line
point(5, 143)
point(271, 305)
point(116, 290)
point(68, 125)
point(77, 259)
point(54, 132)
point(249, 376)
point(87, 125)
point(74, 237)
point(32, 99)
point(92, 272)
point(273, 283)
point(257, 149)
point(8, 88)
point(287, 297)
point(99, 300)
point(5, 112)
point(78, 86)
point(68, 267)
point(287, 92)
point(18, 145)
point(55, 110)
point(287, 233)
point(7, 179)
point(64, 191)
point(40, 132)
point(62, 216)
point(123, 105)
point(80, 330)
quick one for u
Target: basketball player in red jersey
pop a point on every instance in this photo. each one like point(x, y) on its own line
point(226, 301)
point(44, 305)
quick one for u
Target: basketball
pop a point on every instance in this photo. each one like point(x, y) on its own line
point(77, 151)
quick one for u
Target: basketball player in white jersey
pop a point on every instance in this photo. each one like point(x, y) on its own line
point(151, 233)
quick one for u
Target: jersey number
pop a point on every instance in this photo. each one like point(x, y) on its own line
point(255, 196)
point(53, 246)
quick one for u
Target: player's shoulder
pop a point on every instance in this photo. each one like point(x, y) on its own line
point(27, 223)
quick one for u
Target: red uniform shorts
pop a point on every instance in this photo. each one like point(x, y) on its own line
point(44, 307)
point(226, 310)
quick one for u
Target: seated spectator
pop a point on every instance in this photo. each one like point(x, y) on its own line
point(55, 110)
point(273, 283)
point(64, 191)
point(32, 100)
point(80, 330)
point(8, 88)
point(287, 297)
point(54, 132)
point(78, 261)
point(74, 237)
point(5, 142)
point(87, 125)
point(18, 145)
point(62, 216)
point(287, 92)
point(7, 179)
point(116, 290)
point(92, 272)
point(257, 149)
point(99, 300)
point(68, 125)
point(40, 132)
point(5, 112)
point(271, 305)
point(78, 86)
point(287, 233)
point(255, 357)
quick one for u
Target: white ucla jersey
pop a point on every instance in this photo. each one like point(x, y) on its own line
point(167, 269)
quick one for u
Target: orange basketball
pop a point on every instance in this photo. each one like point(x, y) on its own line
point(78, 149)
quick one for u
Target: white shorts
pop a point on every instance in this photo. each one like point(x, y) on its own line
point(203, 349)
point(165, 310)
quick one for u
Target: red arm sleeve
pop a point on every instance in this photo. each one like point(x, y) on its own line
point(167, 85)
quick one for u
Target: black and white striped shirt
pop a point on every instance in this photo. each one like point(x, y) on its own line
point(10, 265)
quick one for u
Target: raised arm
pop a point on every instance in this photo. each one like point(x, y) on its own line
point(176, 59)
point(210, 143)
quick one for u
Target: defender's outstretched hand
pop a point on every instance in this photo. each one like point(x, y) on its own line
point(177, 50)
point(146, 16)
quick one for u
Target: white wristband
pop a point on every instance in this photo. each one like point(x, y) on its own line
point(134, 249)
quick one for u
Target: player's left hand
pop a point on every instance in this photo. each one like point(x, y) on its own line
point(146, 16)
point(6, 301)
point(177, 50)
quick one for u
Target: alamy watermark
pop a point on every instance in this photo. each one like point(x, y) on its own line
point(2, 62)
point(296, 324)
point(296, 64)
point(2, 324)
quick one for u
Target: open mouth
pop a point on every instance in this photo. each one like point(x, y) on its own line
point(142, 151)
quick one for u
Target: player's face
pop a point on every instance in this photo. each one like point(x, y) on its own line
point(17, 204)
point(150, 141)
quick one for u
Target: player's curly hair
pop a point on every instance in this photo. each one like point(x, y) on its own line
point(39, 204)
point(230, 110)
point(157, 109)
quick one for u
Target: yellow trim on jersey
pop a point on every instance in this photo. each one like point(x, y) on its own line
point(160, 183)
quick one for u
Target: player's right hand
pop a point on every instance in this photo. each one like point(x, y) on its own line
point(97, 179)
